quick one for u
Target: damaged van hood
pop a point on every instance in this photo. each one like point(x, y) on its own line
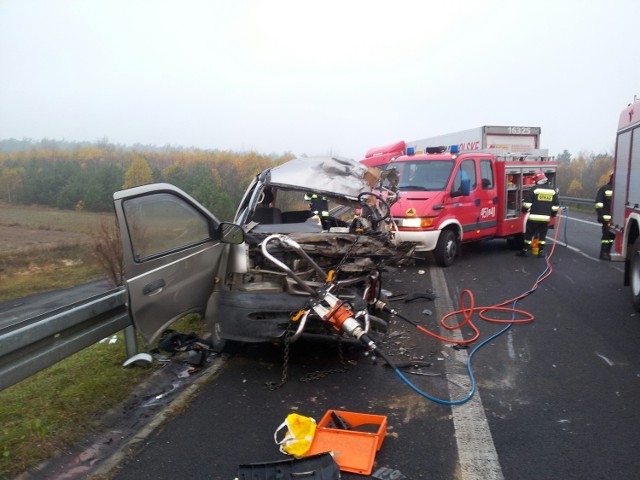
point(333, 176)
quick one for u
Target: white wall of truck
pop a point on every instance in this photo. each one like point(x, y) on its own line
point(514, 139)
point(625, 220)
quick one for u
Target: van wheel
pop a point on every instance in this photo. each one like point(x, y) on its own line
point(446, 249)
point(634, 277)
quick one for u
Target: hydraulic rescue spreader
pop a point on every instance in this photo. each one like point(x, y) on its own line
point(323, 302)
point(339, 314)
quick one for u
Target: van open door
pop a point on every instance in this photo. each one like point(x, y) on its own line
point(173, 249)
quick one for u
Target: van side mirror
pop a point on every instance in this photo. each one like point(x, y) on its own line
point(465, 188)
point(230, 233)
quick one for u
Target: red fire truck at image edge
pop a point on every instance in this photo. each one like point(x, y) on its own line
point(625, 218)
point(465, 190)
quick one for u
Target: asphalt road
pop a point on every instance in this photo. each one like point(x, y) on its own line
point(555, 398)
point(579, 232)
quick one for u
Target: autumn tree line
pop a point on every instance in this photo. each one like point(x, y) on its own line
point(84, 176)
point(581, 176)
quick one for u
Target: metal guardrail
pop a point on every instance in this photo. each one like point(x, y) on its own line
point(33, 344)
point(587, 202)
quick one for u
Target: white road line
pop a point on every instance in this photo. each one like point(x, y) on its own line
point(477, 454)
point(564, 217)
point(571, 247)
point(614, 264)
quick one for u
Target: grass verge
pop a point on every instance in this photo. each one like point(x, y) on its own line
point(37, 270)
point(48, 413)
point(45, 414)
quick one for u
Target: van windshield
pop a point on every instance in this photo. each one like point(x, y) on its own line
point(432, 175)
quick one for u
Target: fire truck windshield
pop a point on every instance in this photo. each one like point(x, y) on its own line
point(431, 175)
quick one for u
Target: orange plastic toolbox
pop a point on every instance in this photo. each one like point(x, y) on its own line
point(352, 438)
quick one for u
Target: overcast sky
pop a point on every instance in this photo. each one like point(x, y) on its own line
point(315, 77)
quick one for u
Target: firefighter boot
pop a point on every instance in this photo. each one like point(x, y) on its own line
point(540, 252)
point(607, 252)
point(603, 252)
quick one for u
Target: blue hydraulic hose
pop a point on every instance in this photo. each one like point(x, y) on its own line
point(473, 352)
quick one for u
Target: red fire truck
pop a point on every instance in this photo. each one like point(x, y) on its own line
point(449, 198)
point(625, 218)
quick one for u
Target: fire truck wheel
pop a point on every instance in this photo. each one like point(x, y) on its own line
point(634, 278)
point(446, 249)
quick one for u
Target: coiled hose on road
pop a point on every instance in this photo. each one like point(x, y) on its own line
point(467, 311)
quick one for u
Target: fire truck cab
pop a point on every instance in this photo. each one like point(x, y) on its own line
point(449, 198)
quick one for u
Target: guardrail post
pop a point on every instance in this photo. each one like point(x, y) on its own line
point(130, 341)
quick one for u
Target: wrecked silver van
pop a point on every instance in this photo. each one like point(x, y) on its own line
point(303, 256)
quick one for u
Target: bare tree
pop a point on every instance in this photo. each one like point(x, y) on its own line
point(107, 248)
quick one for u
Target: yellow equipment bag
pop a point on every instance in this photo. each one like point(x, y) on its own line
point(300, 431)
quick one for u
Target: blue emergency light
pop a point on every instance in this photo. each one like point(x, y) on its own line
point(454, 149)
point(410, 150)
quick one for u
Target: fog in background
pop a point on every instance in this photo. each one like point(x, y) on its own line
point(310, 77)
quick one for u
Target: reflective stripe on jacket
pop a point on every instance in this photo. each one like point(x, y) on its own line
point(541, 203)
point(603, 202)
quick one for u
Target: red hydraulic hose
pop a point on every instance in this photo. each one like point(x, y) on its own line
point(468, 311)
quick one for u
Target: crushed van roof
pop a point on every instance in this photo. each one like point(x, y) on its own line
point(325, 175)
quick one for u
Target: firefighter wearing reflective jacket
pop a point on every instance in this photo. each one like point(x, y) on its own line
point(603, 209)
point(542, 204)
point(318, 204)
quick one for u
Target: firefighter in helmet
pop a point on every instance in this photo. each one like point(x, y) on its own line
point(603, 209)
point(542, 204)
point(318, 204)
